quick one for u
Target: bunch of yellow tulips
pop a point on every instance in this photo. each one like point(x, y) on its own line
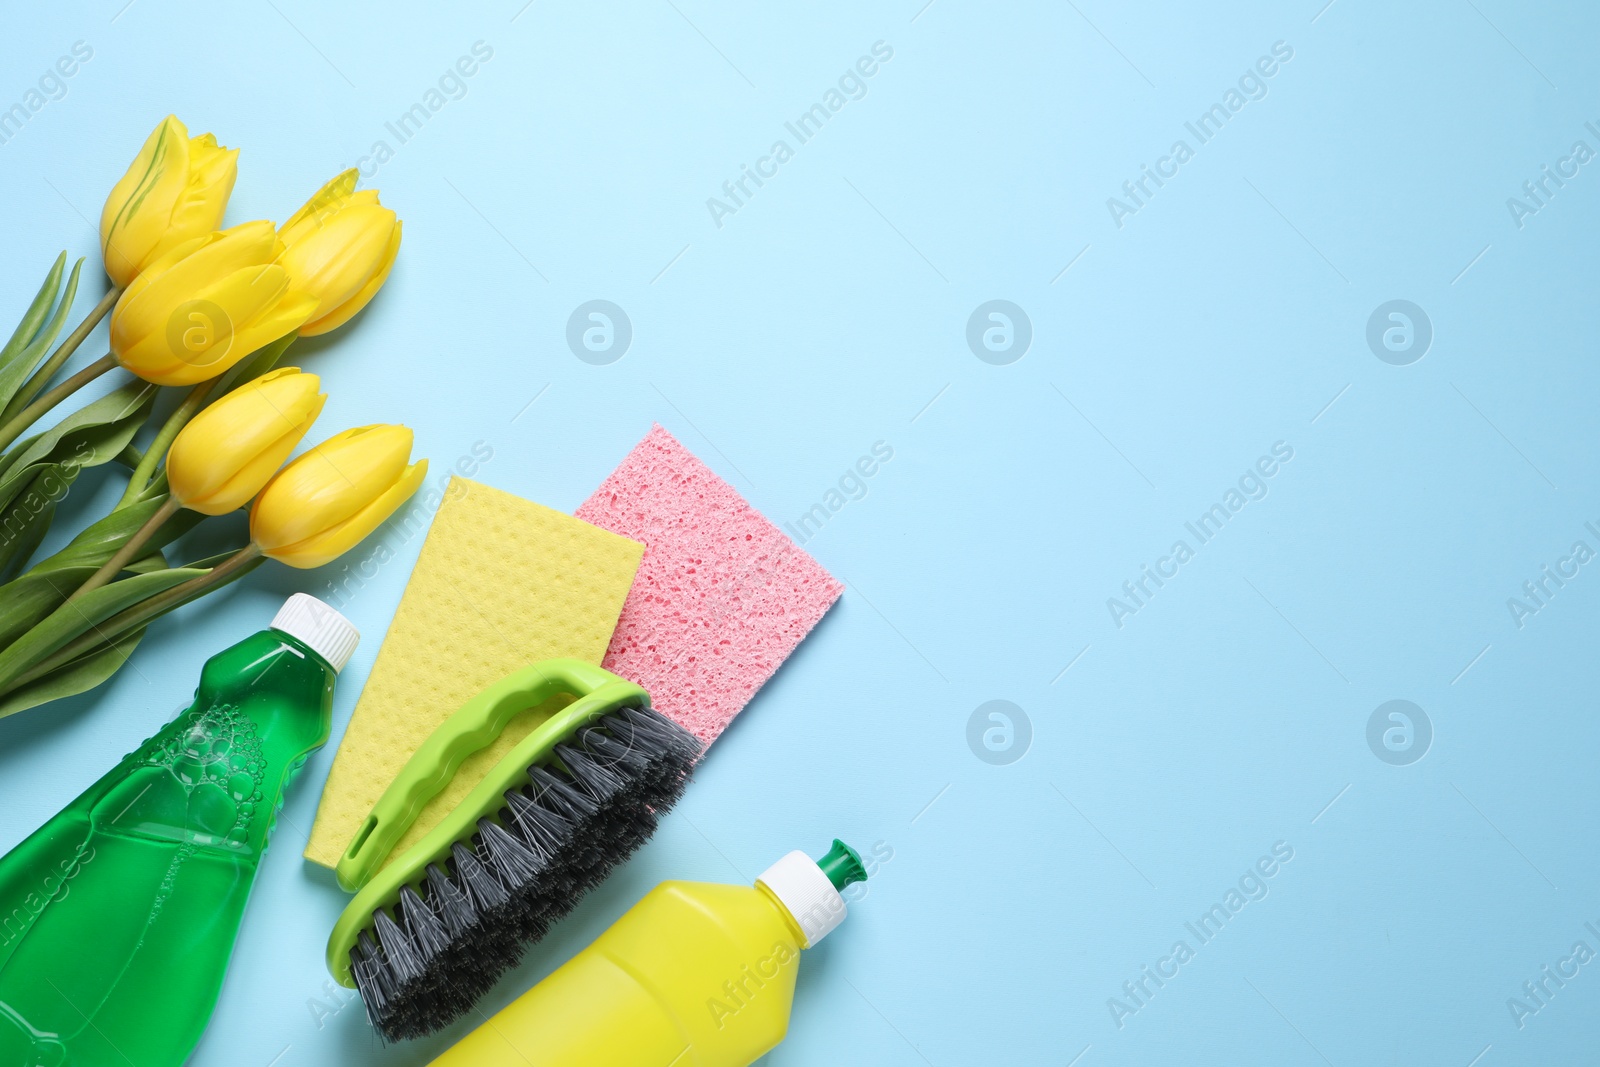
point(209, 311)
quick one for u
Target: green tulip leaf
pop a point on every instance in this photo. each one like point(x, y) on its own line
point(100, 542)
point(223, 557)
point(72, 620)
point(24, 333)
point(15, 370)
point(204, 566)
point(132, 400)
point(254, 366)
point(90, 436)
point(157, 489)
point(85, 647)
point(79, 676)
point(29, 598)
point(25, 520)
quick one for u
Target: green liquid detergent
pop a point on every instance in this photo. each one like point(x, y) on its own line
point(117, 917)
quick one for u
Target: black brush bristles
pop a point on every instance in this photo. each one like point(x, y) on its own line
point(425, 962)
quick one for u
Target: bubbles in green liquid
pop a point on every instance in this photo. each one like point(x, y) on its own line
point(215, 759)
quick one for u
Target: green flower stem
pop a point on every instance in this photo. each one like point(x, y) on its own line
point(141, 614)
point(29, 415)
point(43, 375)
point(128, 552)
point(157, 486)
point(186, 410)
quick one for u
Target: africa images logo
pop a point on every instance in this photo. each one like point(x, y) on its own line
point(1399, 332)
point(999, 732)
point(999, 332)
point(599, 332)
point(1399, 732)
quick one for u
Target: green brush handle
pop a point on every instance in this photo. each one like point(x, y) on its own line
point(476, 724)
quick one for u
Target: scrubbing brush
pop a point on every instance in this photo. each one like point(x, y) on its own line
point(432, 931)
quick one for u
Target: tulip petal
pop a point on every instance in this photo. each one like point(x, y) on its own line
point(202, 308)
point(176, 190)
point(174, 279)
point(340, 247)
point(155, 267)
point(126, 324)
point(329, 484)
point(257, 472)
point(212, 172)
point(324, 202)
point(245, 295)
point(207, 458)
point(211, 330)
point(152, 358)
point(338, 261)
point(329, 545)
point(346, 311)
point(284, 318)
point(139, 209)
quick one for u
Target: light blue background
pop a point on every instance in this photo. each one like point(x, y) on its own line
point(829, 313)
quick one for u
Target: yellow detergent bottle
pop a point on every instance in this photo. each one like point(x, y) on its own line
point(694, 975)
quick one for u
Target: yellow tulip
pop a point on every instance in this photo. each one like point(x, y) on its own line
point(175, 190)
point(339, 248)
point(228, 452)
point(322, 504)
point(205, 305)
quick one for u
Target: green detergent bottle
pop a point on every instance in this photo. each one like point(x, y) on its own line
point(117, 916)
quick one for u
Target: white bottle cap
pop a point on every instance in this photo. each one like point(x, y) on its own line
point(328, 633)
point(806, 892)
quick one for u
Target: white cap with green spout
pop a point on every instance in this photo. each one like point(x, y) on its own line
point(809, 889)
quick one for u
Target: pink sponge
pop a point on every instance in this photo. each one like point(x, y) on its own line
point(721, 598)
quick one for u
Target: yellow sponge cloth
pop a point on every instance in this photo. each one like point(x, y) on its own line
point(501, 582)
